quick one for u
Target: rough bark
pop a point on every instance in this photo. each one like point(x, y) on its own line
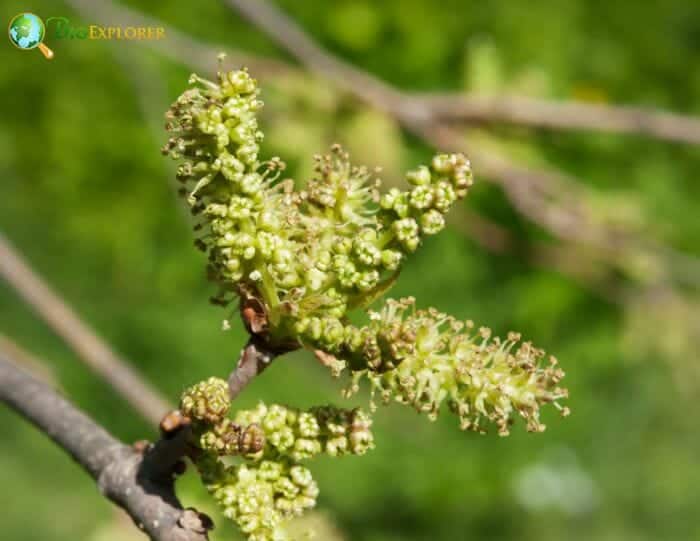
point(142, 483)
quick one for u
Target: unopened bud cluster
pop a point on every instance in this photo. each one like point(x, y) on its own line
point(206, 401)
point(207, 405)
point(301, 435)
point(269, 485)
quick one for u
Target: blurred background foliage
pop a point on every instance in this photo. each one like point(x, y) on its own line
point(89, 200)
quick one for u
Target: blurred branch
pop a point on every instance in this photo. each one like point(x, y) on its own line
point(449, 107)
point(141, 483)
point(177, 46)
point(551, 199)
point(522, 111)
point(565, 115)
point(85, 343)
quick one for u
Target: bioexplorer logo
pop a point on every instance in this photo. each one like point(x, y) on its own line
point(27, 31)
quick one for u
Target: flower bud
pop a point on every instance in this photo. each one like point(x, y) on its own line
point(391, 259)
point(419, 177)
point(432, 222)
point(206, 401)
point(421, 197)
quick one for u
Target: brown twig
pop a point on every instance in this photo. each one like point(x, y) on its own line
point(85, 343)
point(139, 479)
point(563, 115)
point(140, 483)
point(255, 357)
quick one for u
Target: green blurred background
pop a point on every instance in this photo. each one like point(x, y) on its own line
point(89, 200)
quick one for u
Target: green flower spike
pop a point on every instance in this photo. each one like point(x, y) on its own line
point(438, 359)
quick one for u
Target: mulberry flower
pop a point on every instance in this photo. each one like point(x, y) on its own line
point(311, 253)
point(260, 497)
point(207, 404)
point(424, 358)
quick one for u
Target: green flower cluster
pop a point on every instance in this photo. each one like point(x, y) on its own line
point(424, 358)
point(300, 435)
point(207, 401)
point(207, 405)
point(315, 252)
point(261, 496)
point(269, 485)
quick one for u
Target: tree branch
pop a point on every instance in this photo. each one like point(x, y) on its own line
point(563, 115)
point(450, 107)
point(83, 341)
point(140, 483)
point(256, 356)
point(560, 205)
point(567, 115)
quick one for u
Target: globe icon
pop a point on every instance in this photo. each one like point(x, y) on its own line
point(27, 31)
